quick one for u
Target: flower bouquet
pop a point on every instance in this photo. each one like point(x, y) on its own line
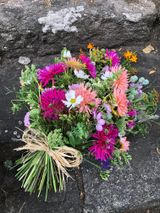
point(80, 108)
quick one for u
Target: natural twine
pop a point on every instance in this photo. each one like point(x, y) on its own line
point(64, 157)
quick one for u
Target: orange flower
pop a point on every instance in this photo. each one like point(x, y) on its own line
point(134, 58)
point(122, 82)
point(90, 46)
point(121, 101)
point(130, 56)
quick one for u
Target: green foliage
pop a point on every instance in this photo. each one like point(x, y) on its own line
point(78, 134)
point(120, 158)
point(56, 139)
point(29, 91)
point(121, 124)
point(104, 175)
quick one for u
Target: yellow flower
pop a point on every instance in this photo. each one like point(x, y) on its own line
point(127, 54)
point(130, 56)
point(90, 46)
point(134, 58)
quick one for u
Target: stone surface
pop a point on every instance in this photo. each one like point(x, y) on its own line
point(24, 60)
point(28, 26)
point(135, 188)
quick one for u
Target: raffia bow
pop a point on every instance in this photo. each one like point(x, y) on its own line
point(64, 157)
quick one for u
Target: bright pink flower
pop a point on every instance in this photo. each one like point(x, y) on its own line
point(124, 144)
point(103, 147)
point(132, 113)
point(47, 74)
point(113, 57)
point(89, 98)
point(51, 103)
point(89, 65)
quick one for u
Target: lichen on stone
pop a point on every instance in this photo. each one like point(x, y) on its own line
point(61, 20)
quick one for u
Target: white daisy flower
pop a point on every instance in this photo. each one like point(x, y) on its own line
point(71, 99)
point(106, 75)
point(80, 74)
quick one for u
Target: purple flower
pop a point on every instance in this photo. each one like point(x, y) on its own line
point(106, 164)
point(107, 108)
point(132, 113)
point(113, 57)
point(47, 74)
point(89, 65)
point(26, 120)
point(131, 124)
point(100, 121)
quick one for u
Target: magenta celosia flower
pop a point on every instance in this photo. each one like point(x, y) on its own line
point(131, 124)
point(47, 74)
point(132, 113)
point(26, 120)
point(113, 57)
point(103, 147)
point(89, 65)
point(51, 103)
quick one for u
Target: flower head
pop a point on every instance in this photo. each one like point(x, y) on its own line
point(27, 120)
point(112, 57)
point(47, 74)
point(71, 99)
point(132, 113)
point(121, 101)
point(89, 98)
point(131, 124)
point(80, 74)
point(51, 103)
point(103, 147)
point(100, 121)
point(122, 82)
point(130, 56)
point(74, 64)
point(89, 65)
point(66, 53)
point(124, 144)
point(90, 46)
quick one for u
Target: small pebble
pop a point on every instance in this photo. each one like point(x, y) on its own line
point(18, 136)
point(6, 131)
point(20, 122)
point(24, 60)
point(15, 133)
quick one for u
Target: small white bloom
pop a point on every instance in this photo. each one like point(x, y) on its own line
point(80, 74)
point(106, 75)
point(66, 54)
point(71, 99)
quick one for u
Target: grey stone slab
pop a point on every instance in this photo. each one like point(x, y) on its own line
point(28, 26)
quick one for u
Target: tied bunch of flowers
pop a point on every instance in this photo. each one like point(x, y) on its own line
point(90, 103)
